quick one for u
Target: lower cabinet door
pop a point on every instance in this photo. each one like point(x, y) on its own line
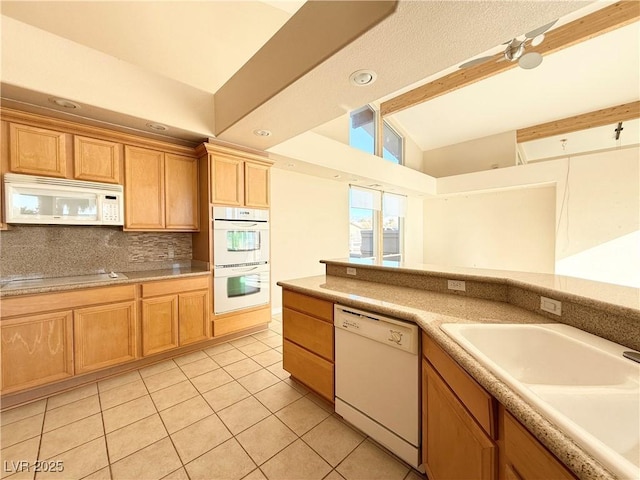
point(195, 323)
point(310, 369)
point(159, 324)
point(36, 349)
point(526, 458)
point(104, 336)
point(455, 445)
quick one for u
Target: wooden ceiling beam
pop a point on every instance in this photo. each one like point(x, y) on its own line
point(602, 21)
point(606, 116)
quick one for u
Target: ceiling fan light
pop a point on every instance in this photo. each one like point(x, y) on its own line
point(530, 60)
point(537, 40)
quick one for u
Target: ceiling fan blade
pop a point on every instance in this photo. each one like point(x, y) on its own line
point(530, 60)
point(540, 30)
point(475, 61)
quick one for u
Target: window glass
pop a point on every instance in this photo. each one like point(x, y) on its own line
point(364, 212)
point(362, 130)
point(392, 145)
point(393, 211)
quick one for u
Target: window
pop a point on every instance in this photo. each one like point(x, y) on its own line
point(362, 134)
point(376, 224)
point(392, 144)
point(362, 131)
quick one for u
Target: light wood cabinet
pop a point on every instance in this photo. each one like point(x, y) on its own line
point(159, 324)
point(194, 310)
point(237, 181)
point(181, 192)
point(38, 151)
point(161, 191)
point(143, 189)
point(454, 445)
point(36, 349)
point(105, 335)
point(525, 458)
point(256, 185)
point(175, 313)
point(232, 322)
point(466, 433)
point(227, 180)
point(97, 160)
point(308, 345)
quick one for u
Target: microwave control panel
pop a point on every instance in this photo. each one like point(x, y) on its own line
point(111, 210)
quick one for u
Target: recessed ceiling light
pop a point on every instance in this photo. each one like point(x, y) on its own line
point(158, 127)
point(262, 133)
point(64, 103)
point(360, 78)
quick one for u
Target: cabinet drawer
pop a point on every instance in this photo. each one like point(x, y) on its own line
point(528, 459)
point(48, 302)
point(167, 287)
point(310, 305)
point(479, 403)
point(313, 334)
point(310, 369)
point(227, 323)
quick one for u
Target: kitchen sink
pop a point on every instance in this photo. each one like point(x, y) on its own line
point(579, 381)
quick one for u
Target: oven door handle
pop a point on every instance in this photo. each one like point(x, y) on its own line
point(242, 269)
point(244, 225)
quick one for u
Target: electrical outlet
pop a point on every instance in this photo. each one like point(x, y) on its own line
point(456, 285)
point(550, 305)
point(351, 271)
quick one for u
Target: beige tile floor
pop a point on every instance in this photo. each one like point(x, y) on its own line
point(227, 412)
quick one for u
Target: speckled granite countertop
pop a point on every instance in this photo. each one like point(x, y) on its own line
point(589, 292)
point(59, 284)
point(429, 310)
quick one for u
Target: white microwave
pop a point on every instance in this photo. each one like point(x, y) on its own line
point(58, 201)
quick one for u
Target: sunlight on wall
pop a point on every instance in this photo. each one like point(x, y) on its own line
point(615, 261)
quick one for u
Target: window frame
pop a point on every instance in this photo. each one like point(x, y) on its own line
point(378, 151)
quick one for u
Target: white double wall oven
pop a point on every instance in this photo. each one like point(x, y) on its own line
point(241, 258)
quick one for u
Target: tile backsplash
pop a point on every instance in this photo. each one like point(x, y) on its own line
point(55, 251)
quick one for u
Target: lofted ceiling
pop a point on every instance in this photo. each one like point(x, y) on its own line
point(200, 45)
point(598, 73)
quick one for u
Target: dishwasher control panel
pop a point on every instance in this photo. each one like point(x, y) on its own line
point(390, 331)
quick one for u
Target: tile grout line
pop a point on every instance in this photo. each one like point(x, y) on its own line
point(104, 431)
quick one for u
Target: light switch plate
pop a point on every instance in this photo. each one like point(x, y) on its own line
point(351, 271)
point(550, 305)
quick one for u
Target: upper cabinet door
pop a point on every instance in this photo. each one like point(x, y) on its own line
point(227, 182)
point(37, 151)
point(181, 187)
point(97, 160)
point(144, 189)
point(256, 185)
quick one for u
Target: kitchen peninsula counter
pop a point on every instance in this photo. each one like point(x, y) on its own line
point(415, 300)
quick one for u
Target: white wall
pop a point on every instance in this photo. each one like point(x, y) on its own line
point(37, 60)
point(598, 226)
point(309, 222)
point(507, 229)
point(495, 151)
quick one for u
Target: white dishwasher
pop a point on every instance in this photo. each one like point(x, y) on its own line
point(377, 379)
